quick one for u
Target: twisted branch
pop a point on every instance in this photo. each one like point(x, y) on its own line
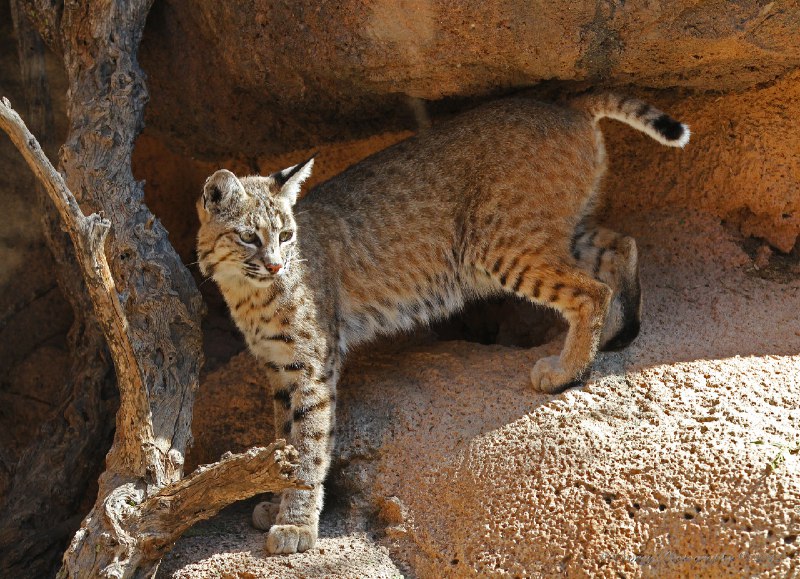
point(139, 519)
point(88, 233)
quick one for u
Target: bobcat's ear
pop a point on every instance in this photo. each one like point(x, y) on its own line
point(287, 182)
point(220, 188)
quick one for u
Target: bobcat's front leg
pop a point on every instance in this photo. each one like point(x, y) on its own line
point(304, 400)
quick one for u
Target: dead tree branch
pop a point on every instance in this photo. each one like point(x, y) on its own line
point(107, 95)
point(138, 519)
point(166, 516)
point(143, 530)
point(134, 437)
point(40, 512)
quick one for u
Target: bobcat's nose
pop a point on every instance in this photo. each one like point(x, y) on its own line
point(273, 268)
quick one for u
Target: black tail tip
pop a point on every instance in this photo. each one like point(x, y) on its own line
point(669, 128)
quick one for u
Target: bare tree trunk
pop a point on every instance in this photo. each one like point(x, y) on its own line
point(160, 301)
point(51, 477)
point(148, 308)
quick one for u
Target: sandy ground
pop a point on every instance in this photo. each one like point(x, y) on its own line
point(227, 546)
point(649, 470)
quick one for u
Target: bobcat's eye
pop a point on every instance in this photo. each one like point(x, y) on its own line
point(285, 236)
point(250, 237)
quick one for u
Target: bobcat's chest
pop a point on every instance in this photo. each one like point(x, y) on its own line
point(267, 327)
point(271, 340)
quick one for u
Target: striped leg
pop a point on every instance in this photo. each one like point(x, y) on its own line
point(581, 299)
point(304, 401)
point(612, 259)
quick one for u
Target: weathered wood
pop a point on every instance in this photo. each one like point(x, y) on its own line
point(50, 480)
point(145, 529)
point(46, 17)
point(164, 517)
point(138, 519)
point(134, 436)
point(159, 297)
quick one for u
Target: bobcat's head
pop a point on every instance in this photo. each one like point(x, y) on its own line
point(247, 227)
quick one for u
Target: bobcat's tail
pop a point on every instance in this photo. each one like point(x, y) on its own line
point(637, 114)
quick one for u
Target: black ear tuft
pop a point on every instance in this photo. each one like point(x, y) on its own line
point(289, 181)
point(282, 177)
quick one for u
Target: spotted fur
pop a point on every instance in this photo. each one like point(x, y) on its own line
point(497, 200)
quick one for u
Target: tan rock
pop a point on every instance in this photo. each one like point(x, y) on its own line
point(258, 76)
point(649, 470)
point(742, 164)
point(226, 547)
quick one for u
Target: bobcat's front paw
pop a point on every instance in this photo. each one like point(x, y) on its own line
point(291, 538)
point(548, 376)
point(265, 514)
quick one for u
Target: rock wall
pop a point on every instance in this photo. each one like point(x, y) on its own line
point(257, 85)
point(742, 165)
point(259, 76)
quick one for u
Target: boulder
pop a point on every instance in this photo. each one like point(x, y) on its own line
point(742, 164)
point(259, 76)
point(677, 458)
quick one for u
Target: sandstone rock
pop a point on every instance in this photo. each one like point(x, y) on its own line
point(649, 470)
point(257, 76)
point(741, 165)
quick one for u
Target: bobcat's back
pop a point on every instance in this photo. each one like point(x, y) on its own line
point(411, 232)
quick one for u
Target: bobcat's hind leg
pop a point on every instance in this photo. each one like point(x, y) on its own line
point(613, 259)
point(265, 513)
point(581, 299)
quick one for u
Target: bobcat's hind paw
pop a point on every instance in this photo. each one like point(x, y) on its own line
point(290, 538)
point(549, 377)
point(265, 514)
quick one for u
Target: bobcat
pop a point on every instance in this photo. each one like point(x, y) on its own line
point(498, 199)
